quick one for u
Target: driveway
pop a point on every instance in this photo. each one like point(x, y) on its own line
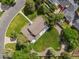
point(6, 19)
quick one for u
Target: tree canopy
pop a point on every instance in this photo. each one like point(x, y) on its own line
point(7, 2)
point(54, 18)
point(24, 54)
point(71, 35)
point(29, 7)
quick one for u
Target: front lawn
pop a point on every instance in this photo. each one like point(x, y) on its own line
point(10, 46)
point(16, 25)
point(49, 39)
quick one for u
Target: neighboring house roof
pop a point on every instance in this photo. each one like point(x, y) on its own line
point(69, 15)
point(76, 24)
point(71, 7)
point(64, 2)
point(69, 12)
point(31, 31)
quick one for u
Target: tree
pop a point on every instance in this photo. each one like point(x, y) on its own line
point(71, 35)
point(48, 54)
point(29, 7)
point(21, 42)
point(24, 54)
point(53, 7)
point(7, 2)
point(13, 34)
point(20, 55)
point(54, 18)
point(43, 10)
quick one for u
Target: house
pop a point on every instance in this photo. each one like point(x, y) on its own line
point(76, 24)
point(70, 8)
point(35, 30)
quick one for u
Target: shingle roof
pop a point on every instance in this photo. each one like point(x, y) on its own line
point(64, 2)
point(37, 26)
point(69, 12)
point(31, 31)
point(69, 15)
point(76, 24)
point(27, 34)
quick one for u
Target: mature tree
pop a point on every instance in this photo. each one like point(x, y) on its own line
point(48, 54)
point(13, 34)
point(53, 7)
point(29, 7)
point(7, 2)
point(20, 55)
point(54, 18)
point(71, 35)
point(43, 9)
point(38, 1)
point(21, 42)
point(24, 54)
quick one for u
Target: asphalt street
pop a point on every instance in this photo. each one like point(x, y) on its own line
point(5, 20)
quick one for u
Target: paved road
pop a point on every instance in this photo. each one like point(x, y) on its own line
point(6, 19)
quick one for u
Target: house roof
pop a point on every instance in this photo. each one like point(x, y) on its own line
point(76, 24)
point(32, 30)
point(69, 12)
point(27, 34)
point(64, 2)
point(69, 15)
point(37, 26)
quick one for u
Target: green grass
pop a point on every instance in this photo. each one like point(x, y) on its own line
point(74, 57)
point(16, 25)
point(49, 39)
point(65, 25)
point(10, 46)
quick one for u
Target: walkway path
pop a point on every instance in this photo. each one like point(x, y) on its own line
point(58, 29)
point(8, 40)
point(62, 45)
point(5, 21)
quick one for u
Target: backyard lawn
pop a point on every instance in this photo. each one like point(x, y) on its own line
point(49, 39)
point(16, 25)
